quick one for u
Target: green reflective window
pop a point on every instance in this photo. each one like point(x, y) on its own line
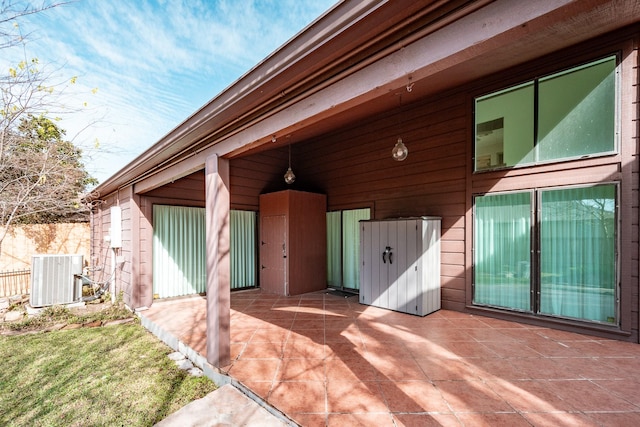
point(577, 253)
point(576, 112)
point(564, 255)
point(179, 251)
point(502, 246)
point(242, 236)
point(504, 128)
point(566, 115)
point(343, 251)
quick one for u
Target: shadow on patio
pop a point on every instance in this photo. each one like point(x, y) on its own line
point(323, 359)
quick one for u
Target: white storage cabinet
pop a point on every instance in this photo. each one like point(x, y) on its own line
point(400, 264)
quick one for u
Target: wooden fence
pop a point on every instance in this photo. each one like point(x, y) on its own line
point(15, 282)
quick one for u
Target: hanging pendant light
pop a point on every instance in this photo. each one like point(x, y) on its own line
point(289, 176)
point(399, 151)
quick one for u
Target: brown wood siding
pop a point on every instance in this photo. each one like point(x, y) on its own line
point(354, 168)
point(190, 187)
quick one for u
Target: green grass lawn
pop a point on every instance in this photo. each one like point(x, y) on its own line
point(109, 376)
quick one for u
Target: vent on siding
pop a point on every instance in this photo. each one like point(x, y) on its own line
point(54, 280)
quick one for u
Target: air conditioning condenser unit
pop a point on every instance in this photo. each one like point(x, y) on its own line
point(55, 280)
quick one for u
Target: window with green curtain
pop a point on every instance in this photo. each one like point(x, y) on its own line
point(577, 253)
point(343, 247)
point(179, 251)
point(502, 250)
point(243, 248)
point(334, 249)
point(575, 117)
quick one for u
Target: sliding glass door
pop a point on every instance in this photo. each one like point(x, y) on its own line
point(179, 250)
point(502, 250)
point(578, 253)
point(343, 240)
point(550, 252)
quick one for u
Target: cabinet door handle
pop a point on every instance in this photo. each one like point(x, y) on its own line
point(390, 257)
point(387, 251)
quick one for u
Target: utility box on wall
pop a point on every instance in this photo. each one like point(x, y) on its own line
point(293, 242)
point(400, 264)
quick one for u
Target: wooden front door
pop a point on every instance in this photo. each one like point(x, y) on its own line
point(273, 254)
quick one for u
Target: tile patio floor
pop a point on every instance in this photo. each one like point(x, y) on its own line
point(326, 360)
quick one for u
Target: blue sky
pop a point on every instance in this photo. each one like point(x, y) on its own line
point(153, 62)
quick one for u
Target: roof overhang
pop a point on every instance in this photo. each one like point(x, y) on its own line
point(353, 60)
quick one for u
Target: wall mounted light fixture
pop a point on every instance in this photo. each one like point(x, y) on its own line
point(289, 176)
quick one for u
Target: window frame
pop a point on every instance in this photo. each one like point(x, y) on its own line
point(535, 254)
point(534, 81)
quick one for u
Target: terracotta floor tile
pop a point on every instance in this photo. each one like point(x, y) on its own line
point(555, 419)
point(261, 388)
point(307, 324)
point(543, 368)
point(241, 335)
point(413, 396)
point(629, 366)
point(493, 420)
point(345, 350)
point(428, 348)
point(337, 369)
point(436, 368)
point(304, 348)
point(347, 334)
point(489, 335)
point(294, 397)
point(301, 370)
point(469, 322)
point(356, 364)
point(360, 420)
point(262, 350)
point(315, 335)
point(592, 368)
point(396, 351)
point(510, 349)
point(391, 369)
point(255, 369)
point(552, 348)
point(465, 349)
point(426, 420)
point(236, 349)
point(339, 323)
point(629, 389)
point(588, 396)
point(612, 348)
point(625, 419)
point(310, 420)
point(273, 334)
point(445, 335)
point(471, 396)
point(371, 335)
point(355, 397)
point(530, 395)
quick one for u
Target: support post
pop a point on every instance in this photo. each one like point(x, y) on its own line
point(218, 261)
